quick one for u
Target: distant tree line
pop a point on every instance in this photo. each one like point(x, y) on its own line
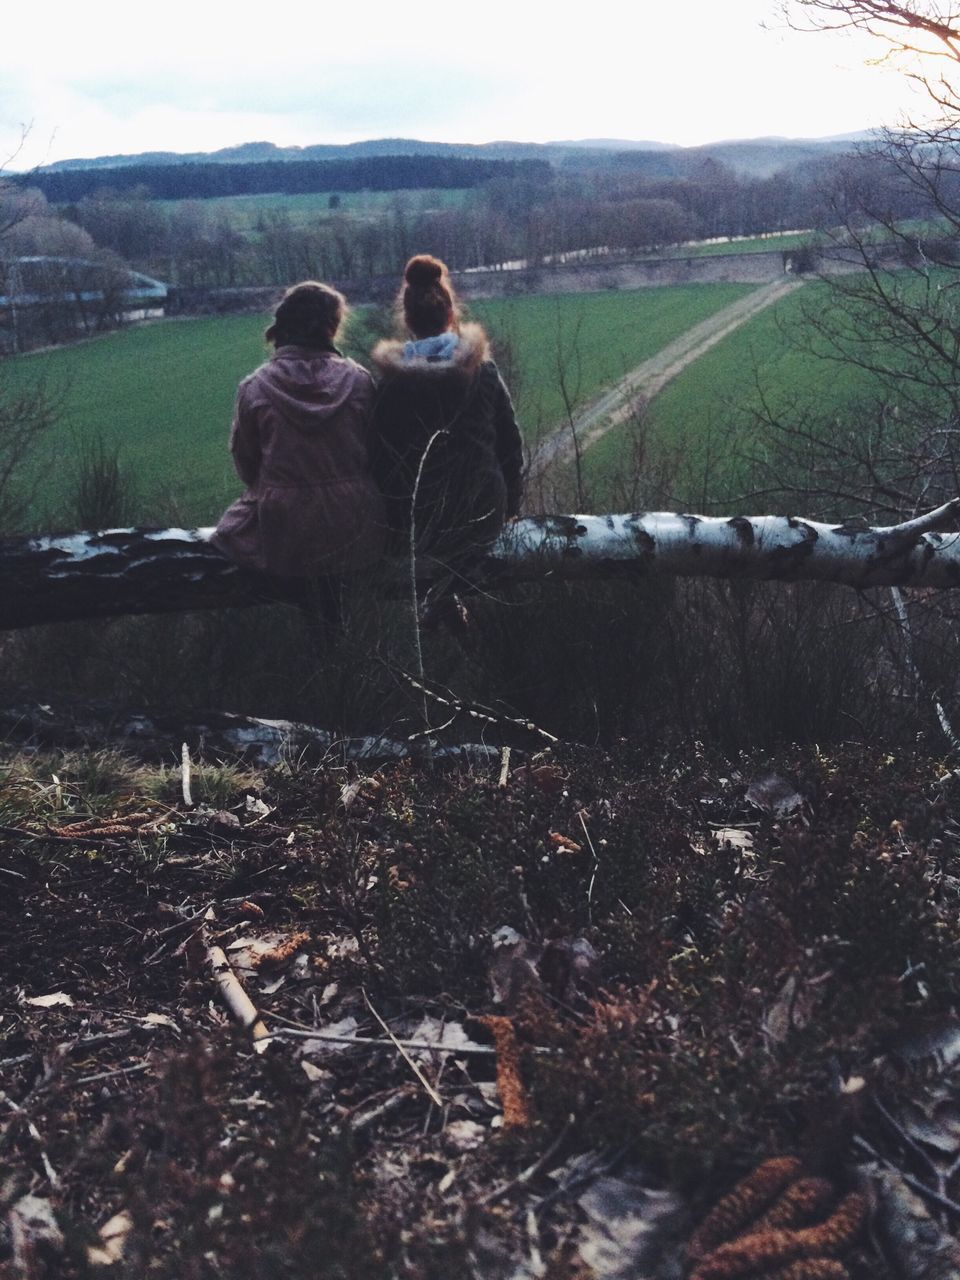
point(204, 181)
point(56, 279)
point(520, 211)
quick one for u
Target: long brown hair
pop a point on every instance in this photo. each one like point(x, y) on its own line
point(427, 300)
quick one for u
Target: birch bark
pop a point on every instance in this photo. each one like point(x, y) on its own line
point(130, 571)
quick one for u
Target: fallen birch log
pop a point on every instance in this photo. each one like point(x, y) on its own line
point(121, 571)
point(219, 734)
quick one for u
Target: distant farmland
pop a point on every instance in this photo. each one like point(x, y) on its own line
point(162, 395)
point(313, 206)
point(707, 416)
point(597, 337)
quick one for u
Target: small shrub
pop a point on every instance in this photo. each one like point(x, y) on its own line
point(104, 492)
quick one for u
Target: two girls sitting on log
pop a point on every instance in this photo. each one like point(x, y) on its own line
point(339, 472)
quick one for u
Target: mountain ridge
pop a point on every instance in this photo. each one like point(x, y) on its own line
point(759, 155)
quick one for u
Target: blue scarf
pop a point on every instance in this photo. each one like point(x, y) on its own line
point(440, 347)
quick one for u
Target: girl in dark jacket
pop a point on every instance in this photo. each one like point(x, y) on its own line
point(445, 448)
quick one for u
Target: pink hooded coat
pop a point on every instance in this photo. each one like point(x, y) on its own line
point(299, 442)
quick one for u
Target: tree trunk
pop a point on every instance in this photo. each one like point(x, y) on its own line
point(90, 575)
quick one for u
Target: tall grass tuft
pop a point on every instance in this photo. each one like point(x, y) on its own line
point(104, 495)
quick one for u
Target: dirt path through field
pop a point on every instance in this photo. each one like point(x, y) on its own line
point(649, 378)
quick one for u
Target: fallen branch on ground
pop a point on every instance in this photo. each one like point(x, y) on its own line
point(472, 711)
point(235, 998)
point(427, 1086)
point(213, 735)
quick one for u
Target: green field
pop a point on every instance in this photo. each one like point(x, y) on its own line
point(754, 244)
point(707, 416)
point(921, 228)
point(244, 211)
point(598, 337)
point(162, 394)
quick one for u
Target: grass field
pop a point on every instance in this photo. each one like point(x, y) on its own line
point(243, 211)
point(706, 417)
point(919, 227)
point(163, 394)
point(598, 337)
point(754, 244)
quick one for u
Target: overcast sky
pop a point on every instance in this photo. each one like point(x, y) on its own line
point(107, 76)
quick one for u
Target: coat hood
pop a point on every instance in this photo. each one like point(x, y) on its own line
point(471, 351)
point(305, 386)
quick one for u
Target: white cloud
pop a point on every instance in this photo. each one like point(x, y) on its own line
point(203, 74)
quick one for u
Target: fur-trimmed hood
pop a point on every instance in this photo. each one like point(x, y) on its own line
point(471, 352)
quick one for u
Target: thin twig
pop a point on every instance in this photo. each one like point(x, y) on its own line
point(475, 712)
point(34, 1132)
point(532, 1170)
point(414, 603)
point(903, 618)
point(201, 915)
point(83, 1042)
point(103, 1037)
point(395, 1098)
point(942, 1201)
point(456, 1051)
point(430, 1091)
point(596, 864)
point(183, 924)
point(110, 1075)
point(905, 1137)
point(349, 1113)
point(921, 1188)
point(431, 730)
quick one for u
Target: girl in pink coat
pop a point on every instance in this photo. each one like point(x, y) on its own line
point(311, 511)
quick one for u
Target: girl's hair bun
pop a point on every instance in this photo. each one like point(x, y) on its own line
point(427, 301)
point(423, 270)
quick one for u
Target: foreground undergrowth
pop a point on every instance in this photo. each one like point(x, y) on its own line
point(680, 967)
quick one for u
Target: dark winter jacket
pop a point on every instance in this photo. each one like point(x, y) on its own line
point(452, 422)
point(299, 443)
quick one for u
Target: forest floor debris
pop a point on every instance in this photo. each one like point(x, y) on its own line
point(488, 1052)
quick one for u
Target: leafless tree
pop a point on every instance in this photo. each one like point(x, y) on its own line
point(27, 410)
point(896, 315)
point(921, 36)
point(896, 318)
